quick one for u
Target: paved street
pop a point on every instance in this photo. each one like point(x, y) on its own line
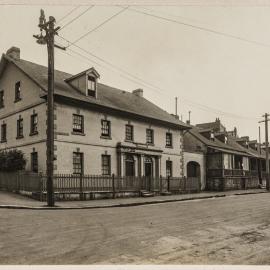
point(229, 230)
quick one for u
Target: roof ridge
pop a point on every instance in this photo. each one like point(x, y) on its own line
point(109, 97)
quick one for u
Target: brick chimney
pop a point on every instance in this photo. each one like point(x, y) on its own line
point(14, 53)
point(138, 92)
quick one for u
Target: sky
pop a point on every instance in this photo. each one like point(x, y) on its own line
point(224, 72)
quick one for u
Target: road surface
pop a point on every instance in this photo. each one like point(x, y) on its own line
point(229, 230)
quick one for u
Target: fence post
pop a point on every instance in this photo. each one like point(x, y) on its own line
point(223, 184)
point(168, 183)
point(160, 183)
point(18, 183)
point(81, 186)
point(113, 186)
point(40, 187)
point(199, 184)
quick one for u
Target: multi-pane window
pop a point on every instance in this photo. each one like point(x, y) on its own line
point(34, 124)
point(17, 91)
point(78, 123)
point(4, 132)
point(20, 128)
point(77, 163)
point(91, 86)
point(105, 128)
point(169, 139)
point(34, 162)
point(150, 136)
point(106, 165)
point(129, 132)
point(2, 99)
point(168, 168)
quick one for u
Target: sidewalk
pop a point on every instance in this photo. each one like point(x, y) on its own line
point(16, 201)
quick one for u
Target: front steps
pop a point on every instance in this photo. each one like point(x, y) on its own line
point(165, 193)
point(146, 193)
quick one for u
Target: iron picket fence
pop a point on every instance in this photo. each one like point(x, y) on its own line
point(80, 184)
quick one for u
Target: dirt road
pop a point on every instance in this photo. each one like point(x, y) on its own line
point(230, 230)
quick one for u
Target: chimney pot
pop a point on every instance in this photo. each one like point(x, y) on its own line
point(138, 92)
point(14, 53)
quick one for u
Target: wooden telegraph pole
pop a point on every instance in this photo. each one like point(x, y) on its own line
point(265, 121)
point(47, 33)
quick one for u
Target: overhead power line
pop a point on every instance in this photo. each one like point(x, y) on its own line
point(110, 64)
point(76, 18)
point(98, 26)
point(68, 14)
point(89, 60)
point(201, 28)
point(136, 79)
point(169, 14)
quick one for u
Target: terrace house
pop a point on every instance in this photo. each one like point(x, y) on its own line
point(230, 162)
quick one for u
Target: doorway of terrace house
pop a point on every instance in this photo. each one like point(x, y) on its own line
point(148, 169)
point(194, 171)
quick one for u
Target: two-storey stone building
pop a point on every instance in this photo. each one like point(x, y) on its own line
point(98, 129)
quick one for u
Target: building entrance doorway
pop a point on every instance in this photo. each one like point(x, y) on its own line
point(194, 171)
point(130, 167)
point(148, 172)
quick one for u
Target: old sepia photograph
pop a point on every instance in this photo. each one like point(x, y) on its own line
point(135, 133)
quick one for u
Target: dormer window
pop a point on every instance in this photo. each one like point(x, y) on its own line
point(225, 139)
point(91, 86)
point(85, 82)
point(212, 136)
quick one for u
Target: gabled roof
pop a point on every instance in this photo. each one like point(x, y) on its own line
point(217, 144)
point(250, 151)
point(88, 71)
point(109, 97)
point(232, 145)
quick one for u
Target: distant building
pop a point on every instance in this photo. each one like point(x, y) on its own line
point(98, 129)
point(224, 160)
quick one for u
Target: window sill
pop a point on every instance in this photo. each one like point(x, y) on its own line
point(77, 133)
point(169, 146)
point(19, 137)
point(105, 137)
point(17, 100)
point(33, 134)
point(4, 141)
point(150, 144)
point(130, 141)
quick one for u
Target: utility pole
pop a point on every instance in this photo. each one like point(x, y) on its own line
point(47, 28)
point(260, 140)
point(265, 121)
point(176, 104)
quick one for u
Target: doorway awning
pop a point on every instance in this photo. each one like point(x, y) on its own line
point(135, 148)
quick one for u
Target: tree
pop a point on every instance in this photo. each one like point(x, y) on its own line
point(11, 161)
